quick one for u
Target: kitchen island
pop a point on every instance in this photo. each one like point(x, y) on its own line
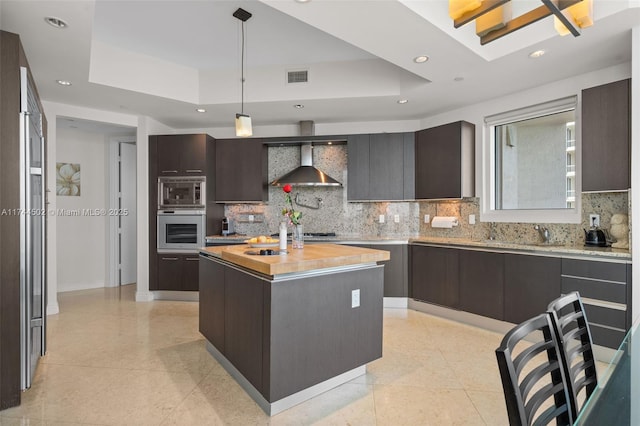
point(290, 326)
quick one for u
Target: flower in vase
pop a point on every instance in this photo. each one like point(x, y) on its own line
point(288, 211)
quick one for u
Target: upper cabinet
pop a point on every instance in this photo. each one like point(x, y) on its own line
point(241, 171)
point(381, 167)
point(606, 137)
point(181, 155)
point(445, 161)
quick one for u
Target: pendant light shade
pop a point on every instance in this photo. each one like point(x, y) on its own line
point(243, 121)
point(243, 125)
point(580, 13)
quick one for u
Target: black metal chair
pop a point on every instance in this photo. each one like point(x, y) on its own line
point(533, 378)
point(572, 330)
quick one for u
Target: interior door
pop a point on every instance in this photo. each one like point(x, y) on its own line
point(127, 218)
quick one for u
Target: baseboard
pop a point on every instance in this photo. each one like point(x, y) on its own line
point(395, 302)
point(181, 296)
point(63, 288)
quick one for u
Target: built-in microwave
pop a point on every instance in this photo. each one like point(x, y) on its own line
point(177, 192)
point(181, 230)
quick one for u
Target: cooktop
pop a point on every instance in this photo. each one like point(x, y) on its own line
point(263, 252)
point(312, 234)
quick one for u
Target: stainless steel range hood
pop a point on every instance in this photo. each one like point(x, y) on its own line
point(306, 174)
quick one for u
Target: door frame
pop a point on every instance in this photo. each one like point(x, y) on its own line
point(114, 177)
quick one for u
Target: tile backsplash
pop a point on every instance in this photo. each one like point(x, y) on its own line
point(335, 214)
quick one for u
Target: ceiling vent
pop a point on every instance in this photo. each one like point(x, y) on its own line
point(300, 76)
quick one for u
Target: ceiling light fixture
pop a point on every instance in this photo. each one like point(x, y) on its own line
point(536, 54)
point(56, 22)
point(63, 82)
point(298, 106)
point(493, 17)
point(421, 59)
point(403, 101)
point(243, 121)
point(201, 110)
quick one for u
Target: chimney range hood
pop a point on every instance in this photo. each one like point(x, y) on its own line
point(306, 174)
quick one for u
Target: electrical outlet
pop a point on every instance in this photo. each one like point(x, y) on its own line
point(355, 298)
point(427, 218)
point(472, 219)
point(594, 219)
point(396, 218)
point(251, 218)
point(381, 218)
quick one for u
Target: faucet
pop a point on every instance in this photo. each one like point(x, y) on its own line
point(544, 233)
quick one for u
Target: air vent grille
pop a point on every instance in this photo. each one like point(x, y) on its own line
point(301, 76)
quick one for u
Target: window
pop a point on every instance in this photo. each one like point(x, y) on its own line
point(530, 172)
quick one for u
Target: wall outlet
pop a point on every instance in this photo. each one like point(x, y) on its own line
point(396, 218)
point(355, 298)
point(427, 218)
point(252, 218)
point(472, 219)
point(381, 218)
point(594, 219)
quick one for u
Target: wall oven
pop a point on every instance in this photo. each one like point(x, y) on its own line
point(181, 230)
point(187, 192)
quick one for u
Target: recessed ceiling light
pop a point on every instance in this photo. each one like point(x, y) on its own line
point(458, 78)
point(298, 106)
point(536, 54)
point(420, 59)
point(56, 22)
point(201, 110)
point(303, 1)
point(63, 82)
point(403, 101)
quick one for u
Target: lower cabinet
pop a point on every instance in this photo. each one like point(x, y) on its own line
point(396, 277)
point(482, 283)
point(211, 320)
point(434, 275)
point(178, 271)
point(531, 283)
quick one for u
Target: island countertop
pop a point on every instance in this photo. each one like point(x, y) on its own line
point(311, 257)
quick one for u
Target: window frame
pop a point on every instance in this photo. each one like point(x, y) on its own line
point(488, 213)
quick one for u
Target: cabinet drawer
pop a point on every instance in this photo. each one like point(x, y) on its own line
point(593, 289)
point(600, 315)
point(605, 336)
point(595, 270)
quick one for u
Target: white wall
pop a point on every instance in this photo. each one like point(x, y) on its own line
point(82, 239)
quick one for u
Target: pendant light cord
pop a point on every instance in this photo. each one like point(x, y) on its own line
point(242, 73)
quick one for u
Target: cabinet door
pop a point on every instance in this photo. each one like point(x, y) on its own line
point(531, 283)
point(395, 270)
point(211, 301)
point(482, 283)
point(358, 167)
point(190, 273)
point(243, 324)
point(444, 161)
point(181, 155)
point(169, 272)
point(241, 170)
point(605, 137)
point(434, 275)
point(386, 163)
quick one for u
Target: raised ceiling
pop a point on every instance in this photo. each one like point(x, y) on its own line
point(164, 59)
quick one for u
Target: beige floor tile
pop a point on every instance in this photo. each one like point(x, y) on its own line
point(112, 361)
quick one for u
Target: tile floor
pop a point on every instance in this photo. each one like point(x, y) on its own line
point(112, 361)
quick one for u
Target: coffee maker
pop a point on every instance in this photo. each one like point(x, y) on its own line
point(227, 227)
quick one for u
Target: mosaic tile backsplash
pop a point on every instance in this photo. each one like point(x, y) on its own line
point(329, 210)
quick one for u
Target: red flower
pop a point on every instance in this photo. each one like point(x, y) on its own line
point(287, 188)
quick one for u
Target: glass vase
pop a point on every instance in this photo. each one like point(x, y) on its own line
point(297, 237)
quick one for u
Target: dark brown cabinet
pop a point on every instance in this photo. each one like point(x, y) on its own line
point(241, 171)
point(381, 167)
point(482, 283)
point(606, 132)
point(181, 155)
point(445, 161)
point(605, 288)
point(177, 272)
point(396, 276)
point(212, 312)
point(434, 275)
point(531, 283)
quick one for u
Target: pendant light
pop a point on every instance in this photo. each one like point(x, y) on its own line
point(243, 121)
